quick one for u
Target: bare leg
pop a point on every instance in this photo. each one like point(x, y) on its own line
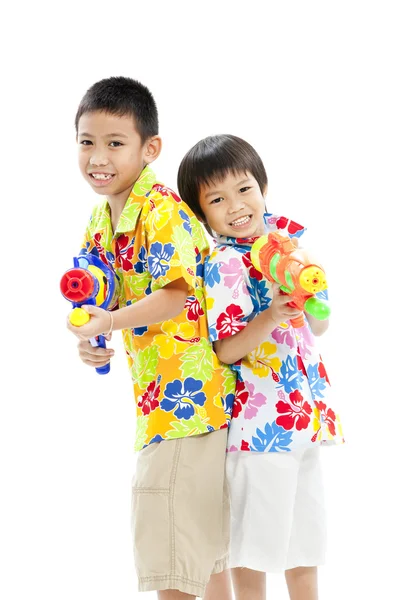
point(248, 584)
point(174, 595)
point(302, 583)
point(219, 587)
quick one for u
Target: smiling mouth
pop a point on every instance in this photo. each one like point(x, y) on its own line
point(242, 221)
point(101, 176)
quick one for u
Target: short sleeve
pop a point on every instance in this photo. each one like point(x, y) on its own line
point(229, 303)
point(171, 250)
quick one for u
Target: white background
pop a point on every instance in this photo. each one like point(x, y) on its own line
point(314, 87)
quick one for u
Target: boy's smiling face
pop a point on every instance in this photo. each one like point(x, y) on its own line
point(112, 154)
point(234, 205)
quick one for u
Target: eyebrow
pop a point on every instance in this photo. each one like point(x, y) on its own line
point(109, 135)
point(218, 191)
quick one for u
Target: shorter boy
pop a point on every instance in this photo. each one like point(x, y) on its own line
point(184, 395)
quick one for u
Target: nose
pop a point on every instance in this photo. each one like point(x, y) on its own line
point(98, 159)
point(235, 205)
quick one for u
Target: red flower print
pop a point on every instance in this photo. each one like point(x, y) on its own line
point(292, 228)
point(294, 412)
point(251, 268)
point(241, 397)
point(100, 249)
point(194, 310)
point(229, 323)
point(300, 365)
point(124, 252)
point(328, 416)
point(245, 446)
point(149, 400)
point(322, 372)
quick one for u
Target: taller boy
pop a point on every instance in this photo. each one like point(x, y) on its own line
point(183, 393)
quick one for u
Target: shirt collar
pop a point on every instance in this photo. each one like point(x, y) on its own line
point(231, 241)
point(133, 206)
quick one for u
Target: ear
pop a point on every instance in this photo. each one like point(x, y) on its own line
point(265, 190)
point(153, 149)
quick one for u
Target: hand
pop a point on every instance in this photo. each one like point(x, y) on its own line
point(94, 357)
point(99, 323)
point(279, 309)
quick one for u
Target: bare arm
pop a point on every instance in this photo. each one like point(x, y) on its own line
point(317, 327)
point(161, 305)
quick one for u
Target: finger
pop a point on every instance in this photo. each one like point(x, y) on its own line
point(86, 349)
point(96, 364)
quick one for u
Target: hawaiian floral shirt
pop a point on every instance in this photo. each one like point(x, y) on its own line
point(282, 399)
point(181, 388)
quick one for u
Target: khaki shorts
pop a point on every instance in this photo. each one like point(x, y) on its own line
point(180, 513)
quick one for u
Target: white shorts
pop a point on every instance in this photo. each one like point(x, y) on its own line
point(277, 510)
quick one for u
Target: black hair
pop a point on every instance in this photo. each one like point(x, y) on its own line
point(213, 158)
point(122, 96)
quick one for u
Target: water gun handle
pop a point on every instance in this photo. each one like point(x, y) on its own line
point(79, 317)
point(100, 341)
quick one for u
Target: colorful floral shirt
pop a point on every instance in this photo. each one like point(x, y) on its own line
point(181, 388)
point(282, 399)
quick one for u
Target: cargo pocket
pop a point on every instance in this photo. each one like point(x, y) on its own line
point(151, 532)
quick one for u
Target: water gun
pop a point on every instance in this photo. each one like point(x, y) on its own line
point(90, 281)
point(280, 261)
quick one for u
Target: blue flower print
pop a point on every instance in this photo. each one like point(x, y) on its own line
point(140, 266)
point(159, 257)
point(272, 439)
point(186, 221)
point(323, 295)
point(180, 396)
point(290, 376)
point(211, 273)
point(317, 383)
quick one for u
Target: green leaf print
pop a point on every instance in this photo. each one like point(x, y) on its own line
point(141, 432)
point(184, 247)
point(197, 361)
point(129, 216)
point(194, 426)
point(144, 183)
point(138, 283)
point(229, 384)
point(145, 366)
point(198, 235)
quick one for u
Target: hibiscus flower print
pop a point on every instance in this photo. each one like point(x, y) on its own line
point(241, 396)
point(253, 272)
point(182, 397)
point(263, 361)
point(284, 334)
point(175, 338)
point(194, 310)
point(149, 400)
point(295, 412)
point(254, 401)
point(324, 418)
point(229, 322)
point(140, 265)
point(159, 258)
point(124, 252)
point(234, 277)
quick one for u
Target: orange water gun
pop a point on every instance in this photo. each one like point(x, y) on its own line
point(280, 261)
